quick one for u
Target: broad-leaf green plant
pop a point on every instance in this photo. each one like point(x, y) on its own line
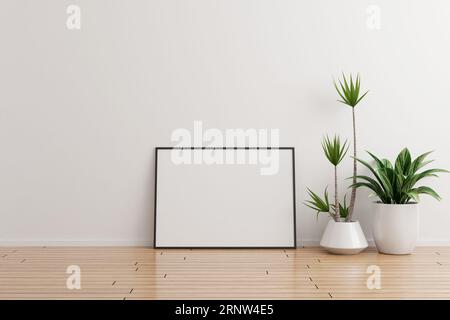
point(396, 183)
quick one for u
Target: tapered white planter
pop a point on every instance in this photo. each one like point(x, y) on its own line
point(343, 238)
point(395, 227)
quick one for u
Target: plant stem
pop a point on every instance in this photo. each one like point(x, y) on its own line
point(355, 172)
point(337, 214)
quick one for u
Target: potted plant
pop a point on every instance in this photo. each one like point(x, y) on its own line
point(396, 220)
point(343, 235)
point(340, 236)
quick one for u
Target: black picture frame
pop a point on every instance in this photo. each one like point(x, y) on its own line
point(294, 215)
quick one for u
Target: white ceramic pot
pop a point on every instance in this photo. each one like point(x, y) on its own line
point(395, 227)
point(343, 238)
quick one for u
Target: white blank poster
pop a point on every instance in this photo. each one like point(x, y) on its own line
point(224, 198)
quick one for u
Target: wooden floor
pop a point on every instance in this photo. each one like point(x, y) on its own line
point(143, 273)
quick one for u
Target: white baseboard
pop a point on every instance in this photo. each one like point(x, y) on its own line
point(147, 243)
point(431, 243)
point(71, 243)
point(316, 243)
point(420, 243)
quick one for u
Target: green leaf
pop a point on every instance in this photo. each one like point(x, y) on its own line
point(343, 208)
point(374, 172)
point(380, 163)
point(339, 92)
point(396, 184)
point(428, 191)
point(413, 195)
point(334, 150)
point(376, 187)
point(357, 101)
point(381, 195)
point(420, 162)
point(317, 203)
point(387, 164)
point(403, 161)
point(349, 90)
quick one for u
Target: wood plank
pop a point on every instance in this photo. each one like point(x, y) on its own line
point(144, 273)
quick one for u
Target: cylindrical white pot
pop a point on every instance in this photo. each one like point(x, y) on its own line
point(343, 238)
point(395, 227)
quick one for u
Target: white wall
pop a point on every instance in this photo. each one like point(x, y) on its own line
point(81, 111)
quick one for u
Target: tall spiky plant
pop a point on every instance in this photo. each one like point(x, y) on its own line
point(334, 152)
point(349, 91)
